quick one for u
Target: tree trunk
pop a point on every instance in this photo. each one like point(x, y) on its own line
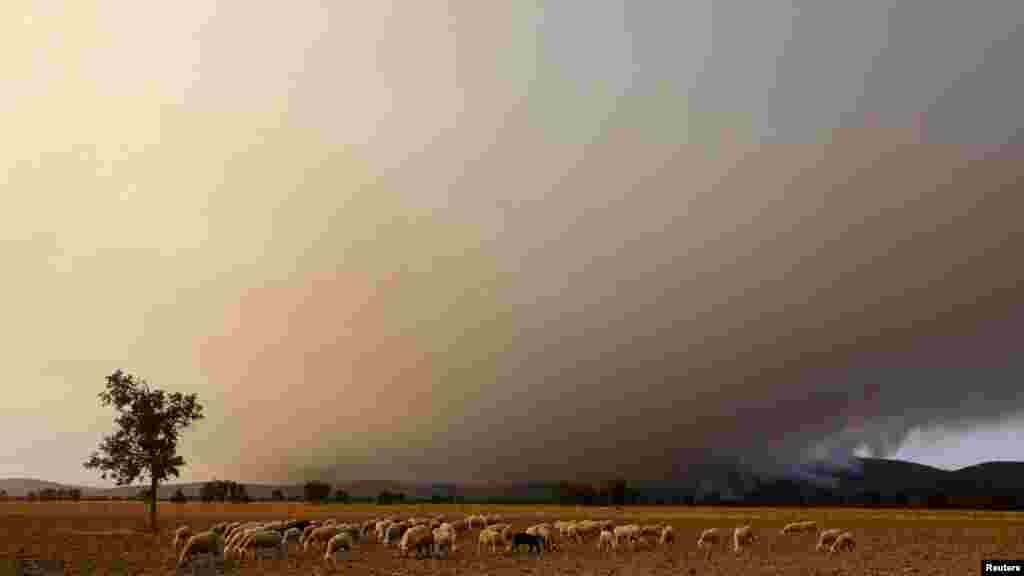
point(152, 505)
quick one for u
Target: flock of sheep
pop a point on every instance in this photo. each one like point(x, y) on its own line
point(437, 537)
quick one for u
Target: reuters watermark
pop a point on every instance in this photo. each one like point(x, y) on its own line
point(1002, 567)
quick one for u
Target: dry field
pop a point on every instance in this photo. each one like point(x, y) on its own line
point(108, 538)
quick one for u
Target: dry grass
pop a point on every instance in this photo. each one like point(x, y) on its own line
point(110, 538)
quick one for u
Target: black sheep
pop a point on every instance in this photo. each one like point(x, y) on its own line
point(534, 543)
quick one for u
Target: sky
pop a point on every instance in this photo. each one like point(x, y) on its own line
point(468, 241)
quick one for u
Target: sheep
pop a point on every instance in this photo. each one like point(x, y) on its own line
point(444, 539)
point(548, 536)
point(366, 528)
point(207, 542)
point(531, 541)
point(572, 533)
point(584, 529)
point(338, 543)
point(606, 541)
point(237, 540)
point(290, 535)
point(380, 529)
point(181, 536)
point(799, 527)
point(394, 533)
point(321, 535)
point(419, 538)
point(237, 546)
point(827, 537)
point(708, 540)
point(844, 541)
point(490, 538)
point(650, 530)
point(263, 541)
point(626, 534)
point(460, 526)
point(477, 522)
point(742, 536)
point(667, 536)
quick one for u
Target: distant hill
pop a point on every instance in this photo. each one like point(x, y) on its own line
point(869, 481)
point(20, 487)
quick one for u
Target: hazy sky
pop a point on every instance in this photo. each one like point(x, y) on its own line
point(474, 240)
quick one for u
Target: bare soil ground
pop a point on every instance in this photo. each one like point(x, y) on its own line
point(110, 538)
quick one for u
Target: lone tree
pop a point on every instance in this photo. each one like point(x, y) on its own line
point(149, 423)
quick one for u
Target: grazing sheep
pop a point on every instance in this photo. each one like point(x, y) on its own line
point(606, 541)
point(667, 536)
point(340, 542)
point(419, 538)
point(548, 536)
point(490, 538)
point(572, 534)
point(652, 530)
point(394, 533)
point(533, 542)
point(844, 541)
point(265, 541)
point(235, 544)
point(444, 539)
point(742, 536)
point(799, 527)
point(181, 536)
point(366, 528)
point(827, 537)
point(626, 535)
point(477, 522)
point(208, 542)
point(708, 540)
point(318, 536)
point(380, 529)
point(293, 534)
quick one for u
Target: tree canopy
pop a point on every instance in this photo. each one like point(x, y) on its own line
point(149, 423)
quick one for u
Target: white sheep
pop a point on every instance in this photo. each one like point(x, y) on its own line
point(606, 541)
point(291, 535)
point(550, 536)
point(181, 536)
point(742, 536)
point(667, 536)
point(652, 530)
point(419, 538)
point(827, 537)
point(338, 543)
point(207, 542)
point(477, 522)
point(238, 539)
point(799, 527)
point(642, 543)
point(318, 536)
point(708, 540)
point(844, 541)
point(444, 539)
point(265, 541)
point(626, 535)
point(490, 538)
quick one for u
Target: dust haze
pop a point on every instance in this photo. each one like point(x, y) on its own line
point(563, 240)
